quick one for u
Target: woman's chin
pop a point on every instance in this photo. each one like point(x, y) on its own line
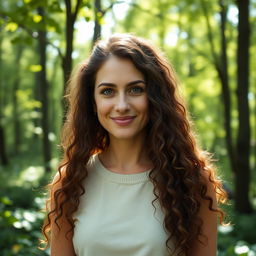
point(124, 136)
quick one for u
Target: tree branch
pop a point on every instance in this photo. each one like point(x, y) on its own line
point(32, 34)
point(57, 48)
point(29, 31)
point(210, 35)
point(78, 3)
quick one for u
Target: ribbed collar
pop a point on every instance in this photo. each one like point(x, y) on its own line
point(118, 177)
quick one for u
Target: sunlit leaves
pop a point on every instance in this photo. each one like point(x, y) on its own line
point(225, 229)
point(37, 18)
point(11, 26)
point(26, 102)
point(31, 174)
point(54, 7)
point(26, 16)
point(20, 228)
point(5, 214)
point(22, 39)
point(16, 248)
point(52, 24)
point(5, 200)
point(35, 3)
point(100, 18)
point(25, 219)
point(87, 13)
point(35, 68)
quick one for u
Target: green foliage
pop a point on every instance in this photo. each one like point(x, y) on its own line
point(179, 28)
point(22, 199)
point(239, 248)
point(20, 228)
point(239, 237)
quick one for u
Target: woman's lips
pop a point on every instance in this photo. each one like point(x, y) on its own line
point(123, 121)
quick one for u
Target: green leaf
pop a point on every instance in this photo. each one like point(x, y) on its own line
point(86, 13)
point(5, 200)
point(16, 247)
point(7, 214)
point(55, 7)
point(52, 25)
point(11, 26)
point(37, 18)
point(35, 68)
point(11, 219)
point(22, 39)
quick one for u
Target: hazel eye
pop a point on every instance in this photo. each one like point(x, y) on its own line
point(107, 92)
point(136, 90)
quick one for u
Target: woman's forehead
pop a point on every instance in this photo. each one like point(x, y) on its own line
point(116, 70)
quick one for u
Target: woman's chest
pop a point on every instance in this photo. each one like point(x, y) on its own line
point(119, 219)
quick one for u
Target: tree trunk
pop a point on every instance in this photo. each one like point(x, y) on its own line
point(242, 181)
point(223, 75)
point(98, 13)
point(162, 7)
point(67, 62)
point(54, 99)
point(221, 66)
point(3, 154)
point(44, 95)
point(67, 59)
point(16, 86)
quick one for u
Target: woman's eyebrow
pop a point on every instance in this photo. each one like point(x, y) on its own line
point(136, 82)
point(106, 84)
point(114, 85)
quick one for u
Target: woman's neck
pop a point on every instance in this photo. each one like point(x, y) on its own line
point(126, 156)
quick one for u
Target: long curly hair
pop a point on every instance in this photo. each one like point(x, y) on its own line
point(181, 172)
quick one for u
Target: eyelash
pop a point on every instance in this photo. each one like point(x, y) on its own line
point(105, 90)
point(138, 87)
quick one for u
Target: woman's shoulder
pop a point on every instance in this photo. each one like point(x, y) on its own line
point(62, 171)
point(56, 183)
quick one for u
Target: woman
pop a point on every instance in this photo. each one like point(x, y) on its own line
point(132, 180)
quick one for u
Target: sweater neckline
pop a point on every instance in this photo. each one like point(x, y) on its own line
point(118, 177)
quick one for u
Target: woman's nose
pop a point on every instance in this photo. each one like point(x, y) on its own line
point(122, 104)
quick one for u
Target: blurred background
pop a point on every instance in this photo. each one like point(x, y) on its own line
point(212, 46)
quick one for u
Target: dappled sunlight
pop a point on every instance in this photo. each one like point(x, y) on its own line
point(243, 249)
point(25, 219)
point(225, 229)
point(31, 174)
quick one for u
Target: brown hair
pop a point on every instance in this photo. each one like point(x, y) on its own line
point(181, 170)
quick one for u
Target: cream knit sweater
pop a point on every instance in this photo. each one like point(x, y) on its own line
point(116, 217)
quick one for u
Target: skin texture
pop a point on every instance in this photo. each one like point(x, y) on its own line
point(209, 229)
point(60, 244)
point(119, 92)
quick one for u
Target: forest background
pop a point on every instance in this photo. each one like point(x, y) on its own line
point(212, 46)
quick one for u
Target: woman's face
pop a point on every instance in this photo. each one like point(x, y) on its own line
point(121, 99)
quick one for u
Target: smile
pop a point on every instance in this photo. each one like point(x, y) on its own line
point(123, 121)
